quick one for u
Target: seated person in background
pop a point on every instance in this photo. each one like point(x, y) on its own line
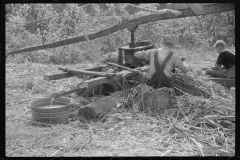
point(162, 63)
point(226, 58)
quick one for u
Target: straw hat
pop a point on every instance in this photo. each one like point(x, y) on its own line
point(170, 40)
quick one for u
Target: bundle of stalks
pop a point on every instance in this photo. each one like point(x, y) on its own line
point(187, 83)
point(199, 86)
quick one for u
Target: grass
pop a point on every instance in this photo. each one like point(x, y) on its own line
point(196, 127)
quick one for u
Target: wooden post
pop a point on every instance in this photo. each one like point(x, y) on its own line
point(120, 56)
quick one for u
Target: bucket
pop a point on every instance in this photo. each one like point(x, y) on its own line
point(58, 113)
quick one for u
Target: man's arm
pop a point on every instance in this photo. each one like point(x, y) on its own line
point(145, 54)
point(219, 61)
point(180, 64)
point(184, 67)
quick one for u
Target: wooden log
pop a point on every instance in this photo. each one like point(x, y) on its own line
point(98, 107)
point(92, 73)
point(102, 80)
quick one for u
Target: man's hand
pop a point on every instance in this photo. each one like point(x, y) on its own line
point(141, 77)
point(215, 68)
point(143, 69)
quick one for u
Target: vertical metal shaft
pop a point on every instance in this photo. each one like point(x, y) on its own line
point(132, 43)
point(132, 36)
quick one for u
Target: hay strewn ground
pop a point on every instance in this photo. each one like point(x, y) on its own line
point(197, 127)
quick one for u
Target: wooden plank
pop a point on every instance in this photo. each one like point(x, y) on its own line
point(197, 8)
point(92, 73)
point(102, 80)
point(62, 75)
point(210, 8)
point(129, 69)
point(133, 8)
point(57, 76)
point(63, 93)
point(97, 68)
point(184, 6)
point(137, 21)
point(223, 81)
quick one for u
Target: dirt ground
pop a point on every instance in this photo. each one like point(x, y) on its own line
point(126, 133)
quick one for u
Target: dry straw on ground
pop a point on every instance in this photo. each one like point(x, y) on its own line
point(197, 126)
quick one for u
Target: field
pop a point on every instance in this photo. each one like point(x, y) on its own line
point(199, 127)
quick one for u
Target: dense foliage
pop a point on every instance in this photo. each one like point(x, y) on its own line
point(36, 24)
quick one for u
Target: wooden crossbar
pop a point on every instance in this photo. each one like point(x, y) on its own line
point(82, 71)
point(62, 75)
point(103, 80)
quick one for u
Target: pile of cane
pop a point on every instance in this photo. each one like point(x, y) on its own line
point(187, 83)
point(198, 85)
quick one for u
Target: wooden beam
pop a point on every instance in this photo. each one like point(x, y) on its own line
point(215, 8)
point(92, 73)
point(97, 68)
point(129, 69)
point(56, 76)
point(174, 6)
point(197, 8)
point(184, 6)
point(102, 80)
point(63, 93)
point(163, 14)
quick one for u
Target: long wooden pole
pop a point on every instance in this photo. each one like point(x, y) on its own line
point(161, 15)
point(92, 73)
point(126, 68)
